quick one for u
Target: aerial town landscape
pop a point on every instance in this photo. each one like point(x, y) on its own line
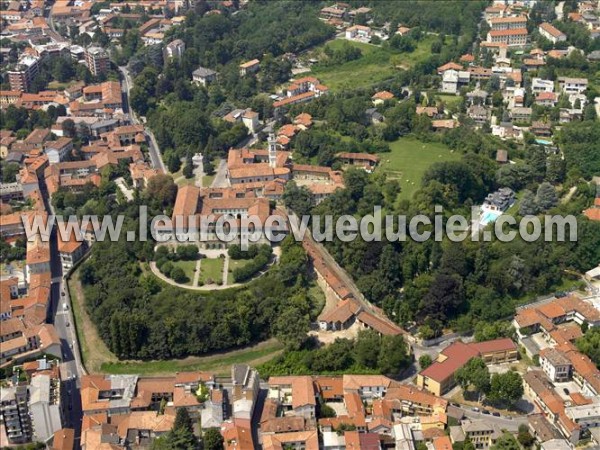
point(162, 115)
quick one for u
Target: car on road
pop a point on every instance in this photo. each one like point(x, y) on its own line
point(475, 409)
point(68, 324)
point(566, 391)
point(63, 293)
point(485, 411)
point(496, 414)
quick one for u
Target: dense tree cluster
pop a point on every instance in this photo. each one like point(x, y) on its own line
point(22, 120)
point(139, 318)
point(580, 143)
point(262, 256)
point(439, 16)
point(14, 252)
point(368, 353)
point(501, 388)
point(89, 200)
point(180, 437)
point(590, 344)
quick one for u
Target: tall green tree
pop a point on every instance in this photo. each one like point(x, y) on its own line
point(506, 387)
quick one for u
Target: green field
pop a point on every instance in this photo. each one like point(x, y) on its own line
point(409, 159)
point(219, 364)
point(189, 268)
point(376, 64)
point(450, 100)
point(211, 269)
point(94, 352)
point(234, 264)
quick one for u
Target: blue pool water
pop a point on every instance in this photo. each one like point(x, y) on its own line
point(489, 217)
point(543, 142)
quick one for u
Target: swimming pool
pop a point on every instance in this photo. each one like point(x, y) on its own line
point(543, 142)
point(489, 217)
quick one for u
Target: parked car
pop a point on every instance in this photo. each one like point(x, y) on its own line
point(497, 414)
point(485, 411)
point(475, 409)
point(566, 391)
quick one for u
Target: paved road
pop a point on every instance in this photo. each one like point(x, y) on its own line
point(71, 367)
point(154, 150)
point(221, 180)
point(511, 425)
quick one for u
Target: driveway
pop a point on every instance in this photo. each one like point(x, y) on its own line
point(221, 180)
point(128, 193)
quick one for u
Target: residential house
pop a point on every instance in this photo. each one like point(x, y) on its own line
point(552, 33)
point(572, 85)
point(482, 433)
point(332, 12)
point(364, 160)
point(450, 82)
point(248, 117)
point(296, 394)
point(548, 99)
point(58, 150)
point(479, 114)
point(249, 67)
point(374, 116)
point(203, 76)
point(245, 386)
point(71, 250)
point(174, 50)
point(541, 129)
point(429, 111)
point(555, 365)
point(500, 200)
point(540, 85)
point(301, 90)
point(382, 96)
point(502, 156)
point(359, 33)
point(520, 114)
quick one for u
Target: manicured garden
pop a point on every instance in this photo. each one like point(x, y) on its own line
point(211, 271)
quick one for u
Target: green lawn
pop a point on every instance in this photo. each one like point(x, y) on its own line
point(450, 100)
point(234, 264)
point(180, 180)
point(207, 180)
point(211, 269)
point(94, 352)
point(220, 364)
point(188, 267)
point(376, 64)
point(57, 85)
point(410, 158)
